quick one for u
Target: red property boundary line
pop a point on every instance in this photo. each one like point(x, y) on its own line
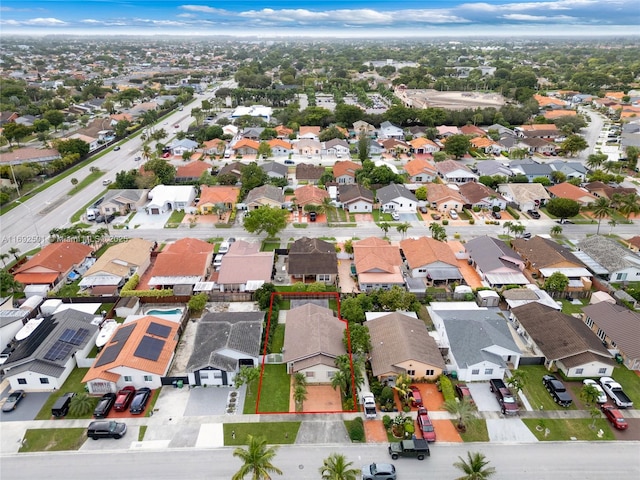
point(314, 295)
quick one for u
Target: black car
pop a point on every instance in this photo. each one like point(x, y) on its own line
point(139, 402)
point(496, 215)
point(557, 390)
point(533, 214)
point(104, 405)
point(564, 221)
point(106, 429)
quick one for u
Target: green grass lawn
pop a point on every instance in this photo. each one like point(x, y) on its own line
point(251, 398)
point(630, 383)
point(274, 432)
point(152, 402)
point(562, 430)
point(70, 290)
point(53, 439)
point(535, 391)
point(269, 246)
point(476, 430)
point(278, 339)
point(72, 384)
point(175, 219)
point(85, 182)
point(141, 432)
point(274, 395)
point(569, 308)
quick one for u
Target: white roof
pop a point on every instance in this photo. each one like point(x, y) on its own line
point(162, 194)
point(253, 111)
point(204, 286)
point(373, 315)
point(177, 280)
point(90, 308)
point(506, 278)
point(95, 280)
point(569, 272)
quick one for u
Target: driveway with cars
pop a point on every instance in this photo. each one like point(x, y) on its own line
point(485, 400)
point(27, 409)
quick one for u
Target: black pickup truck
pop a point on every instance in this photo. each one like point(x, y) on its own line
point(557, 390)
point(418, 448)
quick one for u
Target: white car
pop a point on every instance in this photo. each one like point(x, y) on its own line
point(602, 397)
point(224, 248)
point(395, 215)
point(453, 214)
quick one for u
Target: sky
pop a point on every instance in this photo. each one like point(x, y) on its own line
point(324, 18)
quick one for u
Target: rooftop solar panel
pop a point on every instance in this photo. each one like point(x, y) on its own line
point(67, 334)
point(123, 333)
point(149, 348)
point(109, 354)
point(158, 330)
point(79, 337)
point(58, 351)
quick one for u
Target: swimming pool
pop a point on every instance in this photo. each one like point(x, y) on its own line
point(159, 311)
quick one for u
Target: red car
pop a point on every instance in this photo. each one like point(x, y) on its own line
point(416, 396)
point(425, 425)
point(123, 398)
point(614, 416)
point(166, 155)
point(463, 392)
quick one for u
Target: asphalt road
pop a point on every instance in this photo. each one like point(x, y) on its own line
point(566, 461)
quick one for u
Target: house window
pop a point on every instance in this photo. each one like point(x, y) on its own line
point(488, 371)
point(44, 380)
point(204, 376)
point(22, 381)
point(613, 344)
point(411, 373)
point(601, 334)
point(128, 378)
point(602, 371)
point(419, 178)
point(309, 374)
point(324, 277)
point(475, 371)
point(148, 378)
point(588, 321)
point(217, 374)
point(331, 374)
point(429, 373)
point(579, 371)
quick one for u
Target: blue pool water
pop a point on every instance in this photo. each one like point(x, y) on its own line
point(174, 311)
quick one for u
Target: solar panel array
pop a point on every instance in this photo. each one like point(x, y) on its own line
point(65, 343)
point(123, 333)
point(115, 345)
point(58, 351)
point(158, 330)
point(149, 348)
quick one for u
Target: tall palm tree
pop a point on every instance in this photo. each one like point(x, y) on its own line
point(629, 204)
point(556, 230)
point(463, 410)
point(475, 467)
point(385, 227)
point(299, 396)
point(601, 208)
point(146, 152)
point(3, 257)
point(257, 459)
point(402, 228)
point(507, 227)
point(14, 251)
point(336, 467)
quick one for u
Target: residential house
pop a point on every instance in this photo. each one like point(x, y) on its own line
point(515, 297)
point(307, 147)
point(544, 257)
point(258, 111)
point(473, 131)
point(402, 345)
point(538, 145)
point(565, 342)
point(192, 171)
point(234, 276)
point(337, 147)
point(618, 327)
point(11, 117)
point(308, 132)
point(570, 169)
point(275, 169)
point(24, 155)
point(184, 262)
point(495, 262)
point(526, 196)
point(445, 131)
point(546, 131)
point(356, 198)
point(531, 169)
point(233, 168)
point(313, 259)
point(179, 147)
point(555, 114)
point(224, 343)
point(215, 146)
point(283, 132)
point(252, 133)
point(389, 130)
point(490, 168)
point(479, 195)
point(265, 195)
point(280, 148)
point(12, 320)
point(361, 127)
point(396, 198)
point(609, 260)
point(138, 354)
point(309, 173)
point(486, 145)
point(312, 341)
point(344, 172)
point(477, 340)
point(217, 197)
point(116, 265)
point(603, 190)
point(452, 171)
point(420, 171)
point(395, 146)
point(633, 243)
point(422, 146)
point(94, 143)
point(46, 358)
point(378, 264)
point(310, 195)
point(430, 259)
point(52, 264)
point(167, 198)
point(572, 192)
point(245, 146)
point(375, 148)
point(121, 202)
point(444, 198)
point(512, 144)
point(501, 130)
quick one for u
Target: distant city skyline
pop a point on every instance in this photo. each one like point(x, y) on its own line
point(327, 18)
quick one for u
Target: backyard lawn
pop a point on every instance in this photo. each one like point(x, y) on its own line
point(535, 392)
point(562, 430)
point(274, 432)
point(53, 439)
point(630, 382)
point(278, 339)
point(274, 394)
point(72, 384)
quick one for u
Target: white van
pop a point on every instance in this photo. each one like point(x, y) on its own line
point(92, 213)
point(217, 261)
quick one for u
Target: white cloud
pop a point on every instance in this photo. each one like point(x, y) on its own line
point(203, 9)
point(91, 21)
point(52, 22)
point(537, 18)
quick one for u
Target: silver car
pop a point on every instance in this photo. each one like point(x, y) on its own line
point(379, 471)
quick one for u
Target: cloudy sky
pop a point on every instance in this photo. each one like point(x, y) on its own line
point(347, 18)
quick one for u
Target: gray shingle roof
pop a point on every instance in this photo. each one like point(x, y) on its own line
point(312, 256)
point(492, 254)
point(619, 323)
point(393, 191)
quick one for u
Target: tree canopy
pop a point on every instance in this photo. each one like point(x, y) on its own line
point(563, 207)
point(266, 219)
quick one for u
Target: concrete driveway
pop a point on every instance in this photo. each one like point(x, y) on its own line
point(485, 400)
point(509, 429)
point(27, 409)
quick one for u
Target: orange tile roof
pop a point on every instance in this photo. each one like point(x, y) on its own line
point(547, 101)
point(127, 358)
point(539, 126)
point(424, 251)
point(346, 167)
point(568, 190)
point(246, 143)
point(192, 169)
point(57, 257)
point(186, 257)
point(213, 144)
point(420, 165)
point(473, 130)
point(218, 194)
point(438, 192)
point(614, 95)
point(482, 142)
point(309, 129)
point(283, 131)
point(36, 278)
point(374, 255)
point(421, 142)
point(310, 194)
point(553, 114)
point(278, 142)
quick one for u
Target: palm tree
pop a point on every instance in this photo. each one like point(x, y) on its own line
point(299, 396)
point(629, 204)
point(612, 223)
point(299, 379)
point(81, 404)
point(507, 227)
point(518, 229)
point(257, 459)
point(146, 152)
point(402, 228)
point(385, 227)
point(475, 467)
point(556, 231)
point(463, 410)
point(14, 251)
point(601, 208)
point(336, 467)
point(3, 257)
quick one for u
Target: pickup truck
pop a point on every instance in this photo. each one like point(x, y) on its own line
point(418, 448)
point(614, 390)
point(369, 405)
point(557, 390)
point(508, 403)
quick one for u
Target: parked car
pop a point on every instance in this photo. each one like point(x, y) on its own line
point(453, 214)
point(533, 214)
point(312, 216)
point(224, 248)
point(416, 396)
point(289, 162)
point(379, 471)
point(107, 182)
point(123, 398)
point(423, 209)
point(425, 425)
point(614, 415)
point(104, 405)
point(61, 407)
point(395, 215)
point(231, 240)
point(496, 215)
point(139, 402)
point(106, 429)
point(116, 148)
point(13, 400)
point(463, 392)
point(435, 216)
point(557, 390)
point(602, 397)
